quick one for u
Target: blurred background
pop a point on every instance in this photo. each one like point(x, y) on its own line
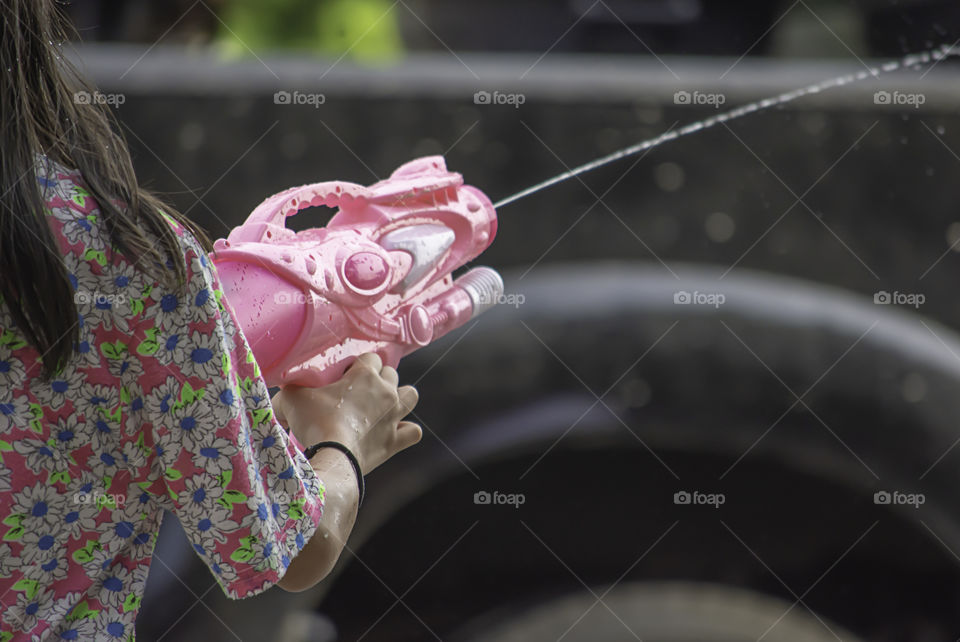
point(720, 400)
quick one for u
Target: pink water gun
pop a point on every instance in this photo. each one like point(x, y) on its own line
point(377, 278)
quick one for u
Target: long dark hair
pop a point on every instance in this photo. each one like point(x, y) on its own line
point(39, 114)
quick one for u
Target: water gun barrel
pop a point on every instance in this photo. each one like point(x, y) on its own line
point(473, 294)
point(484, 286)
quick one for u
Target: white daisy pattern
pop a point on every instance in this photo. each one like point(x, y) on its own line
point(40, 457)
point(106, 310)
point(85, 230)
point(200, 495)
point(64, 604)
point(49, 571)
point(8, 561)
point(29, 609)
point(160, 408)
point(14, 411)
point(199, 355)
point(214, 454)
point(161, 400)
point(188, 422)
point(212, 529)
point(5, 475)
point(166, 345)
point(11, 370)
point(167, 313)
point(41, 505)
point(62, 387)
point(112, 626)
point(228, 408)
point(224, 573)
point(81, 275)
point(42, 545)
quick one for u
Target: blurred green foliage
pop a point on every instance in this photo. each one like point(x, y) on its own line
point(365, 30)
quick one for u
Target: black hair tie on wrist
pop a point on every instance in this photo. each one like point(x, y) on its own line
point(312, 450)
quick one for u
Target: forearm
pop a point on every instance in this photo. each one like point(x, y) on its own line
point(323, 549)
point(361, 412)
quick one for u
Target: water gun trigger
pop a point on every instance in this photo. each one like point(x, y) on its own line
point(377, 278)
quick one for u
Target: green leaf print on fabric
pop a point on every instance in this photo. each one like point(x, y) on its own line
point(244, 552)
point(95, 255)
point(296, 508)
point(16, 530)
point(149, 346)
point(113, 350)
point(12, 340)
point(85, 555)
point(30, 586)
point(35, 424)
point(80, 611)
point(231, 497)
point(188, 395)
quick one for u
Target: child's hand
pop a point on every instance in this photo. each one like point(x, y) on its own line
point(362, 410)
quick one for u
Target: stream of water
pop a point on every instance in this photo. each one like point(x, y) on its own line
point(913, 60)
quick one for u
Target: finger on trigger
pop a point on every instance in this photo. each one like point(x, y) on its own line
point(408, 397)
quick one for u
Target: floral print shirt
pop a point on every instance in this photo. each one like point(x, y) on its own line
point(161, 408)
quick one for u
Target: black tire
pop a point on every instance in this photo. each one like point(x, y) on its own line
point(657, 612)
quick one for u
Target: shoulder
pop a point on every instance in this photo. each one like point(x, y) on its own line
point(59, 184)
